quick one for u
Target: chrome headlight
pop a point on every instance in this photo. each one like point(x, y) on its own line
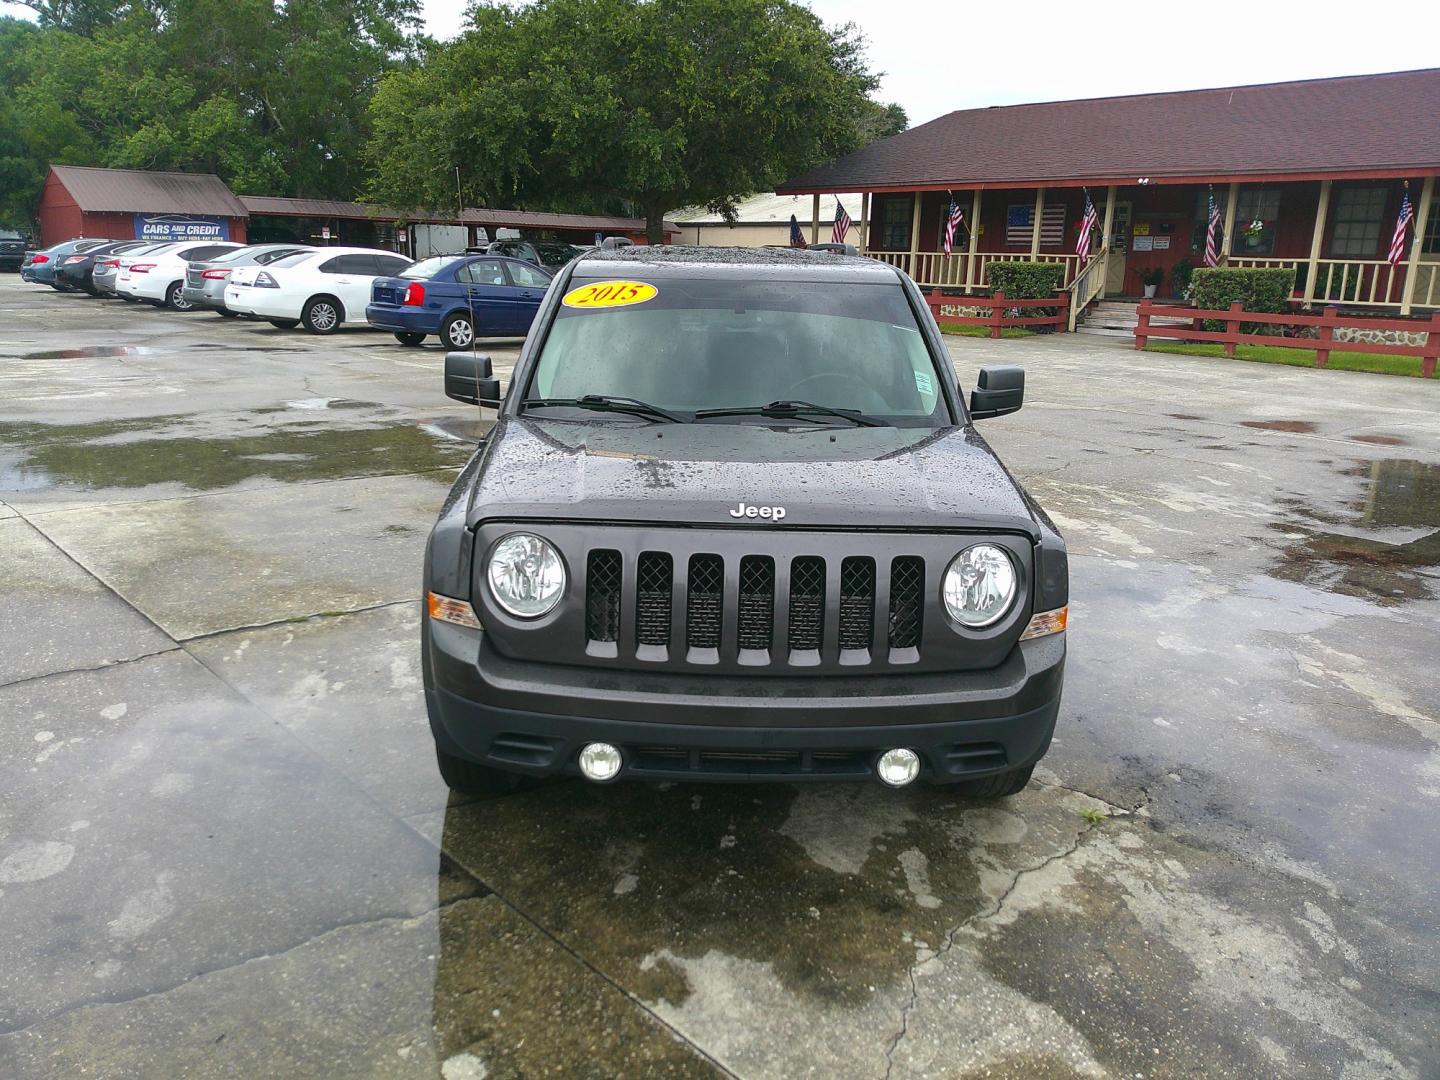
point(526, 575)
point(979, 585)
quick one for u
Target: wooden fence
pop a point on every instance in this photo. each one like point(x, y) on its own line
point(1323, 343)
point(1001, 311)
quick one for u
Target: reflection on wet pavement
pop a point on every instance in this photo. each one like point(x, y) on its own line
point(1386, 548)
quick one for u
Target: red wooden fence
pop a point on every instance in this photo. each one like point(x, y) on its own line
point(1323, 344)
point(1000, 311)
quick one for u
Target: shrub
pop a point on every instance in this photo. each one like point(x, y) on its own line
point(1216, 288)
point(1025, 280)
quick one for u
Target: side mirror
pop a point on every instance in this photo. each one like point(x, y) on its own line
point(1000, 390)
point(469, 378)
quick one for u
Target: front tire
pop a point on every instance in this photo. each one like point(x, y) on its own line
point(468, 778)
point(175, 297)
point(995, 787)
point(405, 337)
point(322, 315)
point(458, 332)
point(285, 324)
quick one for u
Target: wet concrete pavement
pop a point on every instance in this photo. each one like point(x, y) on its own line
point(224, 849)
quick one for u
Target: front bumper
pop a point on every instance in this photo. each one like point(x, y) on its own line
point(534, 718)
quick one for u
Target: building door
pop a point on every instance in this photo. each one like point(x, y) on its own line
point(1119, 250)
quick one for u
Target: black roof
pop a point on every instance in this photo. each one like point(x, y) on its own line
point(739, 261)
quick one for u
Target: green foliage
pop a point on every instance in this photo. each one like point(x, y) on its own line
point(272, 97)
point(1216, 288)
point(1025, 280)
point(1180, 274)
point(1152, 276)
point(660, 104)
point(1376, 363)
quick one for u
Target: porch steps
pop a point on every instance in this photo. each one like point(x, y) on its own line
point(1118, 318)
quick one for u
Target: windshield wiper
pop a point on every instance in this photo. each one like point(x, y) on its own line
point(793, 409)
point(606, 403)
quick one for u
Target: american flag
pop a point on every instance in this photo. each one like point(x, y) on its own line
point(1212, 233)
point(842, 224)
point(1087, 223)
point(952, 224)
point(1402, 224)
point(797, 238)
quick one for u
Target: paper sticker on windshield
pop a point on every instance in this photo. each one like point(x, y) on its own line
point(923, 383)
point(603, 294)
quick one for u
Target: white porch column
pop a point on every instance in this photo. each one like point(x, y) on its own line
point(1422, 219)
point(1035, 225)
point(972, 272)
point(915, 238)
point(1105, 236)
point(815, 220)
point(864, 221)
point(1317, 238)
point(1232, 200)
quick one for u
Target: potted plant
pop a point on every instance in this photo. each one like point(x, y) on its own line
point(1152, 279)
point(1180, 278)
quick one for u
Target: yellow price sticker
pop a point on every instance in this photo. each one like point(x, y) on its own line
point(603, 294)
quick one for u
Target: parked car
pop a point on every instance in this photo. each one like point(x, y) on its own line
point(12, 249)
point(458, 297)
point(40, 266)
point(205, 280)
point(159, 275)
point(78, 269)
point(323, 289)
point(516, 249)
point(821, 515)
point(555, 254)
point(102, 276)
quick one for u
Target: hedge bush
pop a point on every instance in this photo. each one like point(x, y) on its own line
point(1216, 288)
point(1025, 280)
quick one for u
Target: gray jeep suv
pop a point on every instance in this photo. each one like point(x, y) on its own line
point(734, 522)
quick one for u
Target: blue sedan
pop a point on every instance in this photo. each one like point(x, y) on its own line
point(458, 297)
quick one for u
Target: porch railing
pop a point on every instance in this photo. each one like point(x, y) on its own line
point(1369, 282)
point(1088, 284)
point(936, 269)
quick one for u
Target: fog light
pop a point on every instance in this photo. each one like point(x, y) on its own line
point(898, 767)
point(600, 761)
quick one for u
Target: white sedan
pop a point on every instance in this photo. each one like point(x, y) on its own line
point(323, 289)
point(159, 274)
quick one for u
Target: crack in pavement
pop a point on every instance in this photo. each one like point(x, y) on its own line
point(995, 909)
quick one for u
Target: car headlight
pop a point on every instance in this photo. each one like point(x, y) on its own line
point(979, 585)
point(526, 575)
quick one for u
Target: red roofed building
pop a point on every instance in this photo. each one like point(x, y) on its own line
point(1306, 175)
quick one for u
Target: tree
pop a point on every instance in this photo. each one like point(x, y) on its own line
point(660, 103)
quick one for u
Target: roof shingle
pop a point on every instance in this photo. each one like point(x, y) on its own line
point(138, 191)
point(1360, 122)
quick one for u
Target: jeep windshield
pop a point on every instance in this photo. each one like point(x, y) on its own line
point(740, 352)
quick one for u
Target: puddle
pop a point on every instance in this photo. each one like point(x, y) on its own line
point(1387, 549)
point(1299, 427)
point(49, 457)
point(1381, 440)
point(86, 354)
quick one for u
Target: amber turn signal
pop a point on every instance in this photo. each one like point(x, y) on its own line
point(446, 609)
point(1047, 622)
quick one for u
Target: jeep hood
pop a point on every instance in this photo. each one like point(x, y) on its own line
point(825, 476)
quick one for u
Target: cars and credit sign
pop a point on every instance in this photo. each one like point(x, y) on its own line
point(180, 227)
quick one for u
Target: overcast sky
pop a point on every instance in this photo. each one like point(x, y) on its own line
point(940, 55)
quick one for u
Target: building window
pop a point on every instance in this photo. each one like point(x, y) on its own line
point(1359, 218)
point(1432, 232)
point(896, 212)
point(1257, 212)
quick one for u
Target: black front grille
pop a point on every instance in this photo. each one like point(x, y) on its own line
point(857, 603)
point(655, 577)
point(756, 616)
point(702, 623)
point(602, 596)
point(907, 593)
point(807, 603)
point(696, 762)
